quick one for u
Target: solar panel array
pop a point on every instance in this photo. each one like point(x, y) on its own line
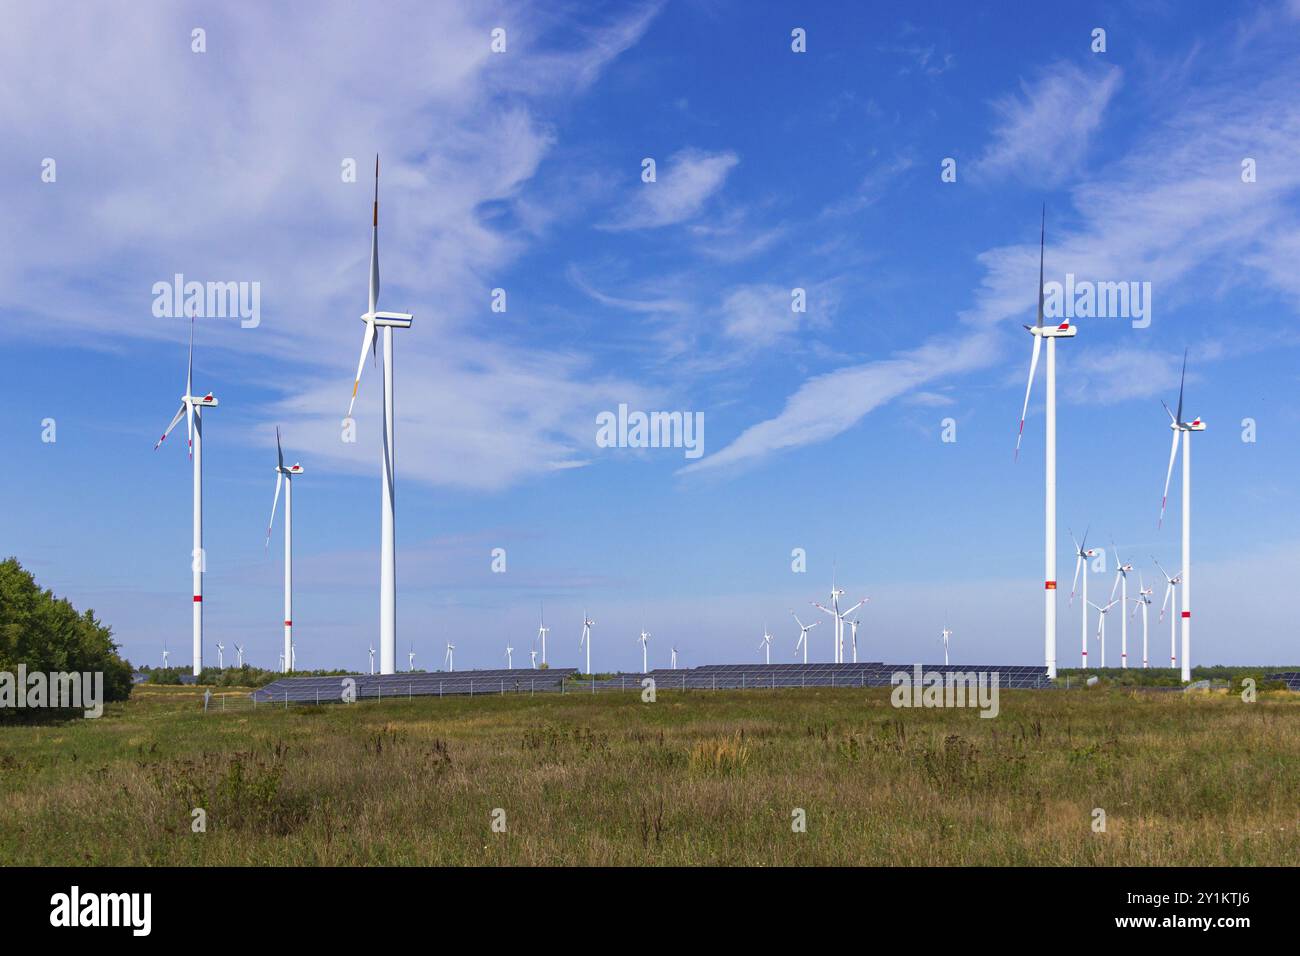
point(1290, 678)
point(561, 680)
point(330, 690)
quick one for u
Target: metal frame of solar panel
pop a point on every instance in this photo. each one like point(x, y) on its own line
point(1290, 678)
point(419, 684)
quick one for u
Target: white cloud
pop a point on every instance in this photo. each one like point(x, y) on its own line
point(683, 185)
point(1043, 133)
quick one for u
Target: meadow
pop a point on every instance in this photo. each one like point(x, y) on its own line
point(691, 779)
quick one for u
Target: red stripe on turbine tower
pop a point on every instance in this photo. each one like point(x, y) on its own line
point(288, 623)
point(1050, 585)
point(198, 598)
point(1187, 614)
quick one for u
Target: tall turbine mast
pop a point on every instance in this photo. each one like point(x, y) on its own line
point(1051, 333)
point(286, 475)
point(191, 410)
point(1184, 428)
point(388, 550)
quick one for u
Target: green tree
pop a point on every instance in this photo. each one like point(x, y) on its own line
point(48, 634)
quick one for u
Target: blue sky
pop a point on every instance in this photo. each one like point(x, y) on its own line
point(775, 170)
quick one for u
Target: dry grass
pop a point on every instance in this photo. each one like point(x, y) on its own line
point(700, 778)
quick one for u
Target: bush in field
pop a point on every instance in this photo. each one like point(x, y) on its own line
point(48, 634)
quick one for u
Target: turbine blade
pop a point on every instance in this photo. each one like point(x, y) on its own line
point(1181, 382)
point(1042, 233)
point(374, 244)
point(174, 423)
point(365, 345)
point(1173, 453)
point(1078, 564)
point(189, 369)
point(279, 452)
point(1115, 587)
point(189, 425)
point(279, 477)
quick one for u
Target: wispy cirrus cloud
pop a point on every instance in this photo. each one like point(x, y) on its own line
point(1044, 131)
point(682, 186)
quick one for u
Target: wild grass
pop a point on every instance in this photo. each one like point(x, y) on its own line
point(695, 778)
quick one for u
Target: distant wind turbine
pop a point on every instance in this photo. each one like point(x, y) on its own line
point(285, 474)
point(542, 631)
point(1101, 626)
point(644, 638)
point(239, 649)
point(372, 658)
point(449, 661)
point(944, 635)
point(1171, 591)
point(510, 660)
point(1082, 554)
point(765, 645)
point(1121, 582)
point(1185, 429)
point(585, 641)
point(1143, 600)
point(803, 635)
point(221, 659)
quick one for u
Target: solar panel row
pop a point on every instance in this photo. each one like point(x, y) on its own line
point(560, 680)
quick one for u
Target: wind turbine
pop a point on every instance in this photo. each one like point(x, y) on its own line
point(293, 657)
point(510, 660)
point(944, 635)
point(221, 660)
point(765, 645)
point(533, 656)
point(449, 661)
point(410, 660)
point(282, 661)
point(239, 649)
point(542, 631)
point(674, 665)
point(853, 629)
point(1143, 600)
point(285, 474)
point(192, 411)
point(1185, 428)
point(1121, 582)
point(803, 635)
point(1082, 554)
point(372, 659)
point(1051, 333)
point(388, 553)
point(839, 616)
point(644, 639)
point(586, 639)
point(1171, 591)
point(1101, 627)
point(165, 657)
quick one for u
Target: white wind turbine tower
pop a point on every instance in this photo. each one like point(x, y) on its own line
point(533, 656)
point(1143, 600)
point(944, 635)
point(1051, 333)
point(372, 658)
point(644, 638)
point(410, 660)
point(674, 664)
point(239, 649)
point(285, 475)
point(853, 631)
point(165, 655)
point(510, 659)
point(293, 657)
point(1171, 591)
point(1101, 625)
point(192, 411)
point(542, 631)
point(282, 660)
point(221, 659)
point(1083, 554)
point(585, 641)
point(803, 635)
point(388, 549)
point(1121, 582)
point(765, 645)
point(449, 661)
point(839, 616)
point(1185, 428)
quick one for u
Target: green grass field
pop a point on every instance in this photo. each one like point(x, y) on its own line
point(696, 778)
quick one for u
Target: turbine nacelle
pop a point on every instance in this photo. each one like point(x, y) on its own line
point(1063, 331)
point(396, 320)
point(205, 401)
